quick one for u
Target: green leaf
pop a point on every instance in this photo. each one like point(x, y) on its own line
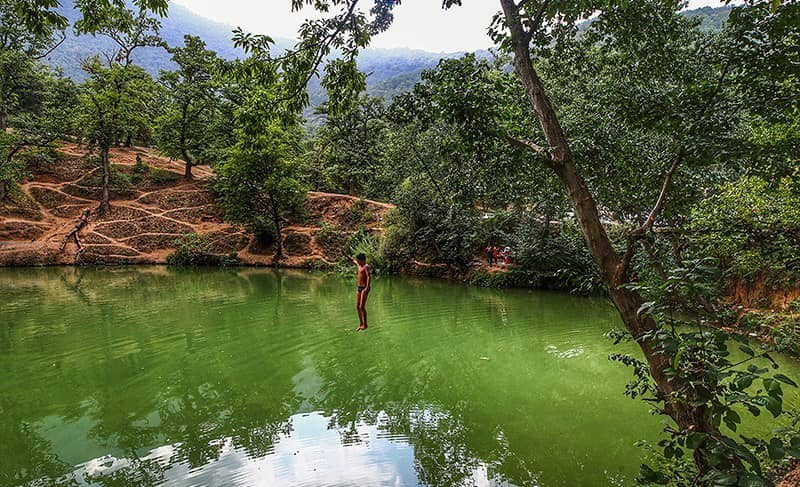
point(695, 440)
point(772, 387)
point(785, 380)
point(743, 381)
point(754, 410)
point(773, 405)
point(775, 449)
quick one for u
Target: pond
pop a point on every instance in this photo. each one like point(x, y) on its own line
point(148, 376)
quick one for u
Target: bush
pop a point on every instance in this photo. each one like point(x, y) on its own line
point(370, 245)
point(752, 227)
point(195, 250)
point(424, 228)
point(264, 231)
point(357, 214)
point(331, 238)
point(555, 256)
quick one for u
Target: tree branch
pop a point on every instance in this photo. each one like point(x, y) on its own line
point(640, 232)
point(528, 145)
point(51, 48)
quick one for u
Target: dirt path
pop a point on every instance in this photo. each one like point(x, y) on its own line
point(147, 218)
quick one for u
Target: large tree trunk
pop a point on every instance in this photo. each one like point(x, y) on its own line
point(4, 115)
point(276, 220)
point(627, 302)
point(187, 174)
point(185, 153)
point(104, 198)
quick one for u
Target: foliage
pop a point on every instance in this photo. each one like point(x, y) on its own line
point(196, 250)
point(369, 244)
point(357, 214)
point(191, 249)
point(726, 383)
point(347, 148)
point(34, 126)
point(782, 327)
point(183, 128)
point(330, 236)
point(257, 182)
point(556, 253)
point(752, 227)
point(119, 98)
point(422, 227)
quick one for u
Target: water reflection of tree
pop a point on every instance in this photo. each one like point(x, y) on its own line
point(197, 397)
point(24, 455)
point(450, 444)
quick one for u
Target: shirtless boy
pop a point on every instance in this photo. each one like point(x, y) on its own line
point(364, 283)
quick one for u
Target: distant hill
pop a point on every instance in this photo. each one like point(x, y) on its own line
point(711, 18)
point(390, 71)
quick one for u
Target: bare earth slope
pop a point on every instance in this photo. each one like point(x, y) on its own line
point(151, 207)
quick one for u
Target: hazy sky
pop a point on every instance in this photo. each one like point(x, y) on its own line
point(419, 24)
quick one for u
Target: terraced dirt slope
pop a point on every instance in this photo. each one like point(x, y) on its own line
point(152, 207)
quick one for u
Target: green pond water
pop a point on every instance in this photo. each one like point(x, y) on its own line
point(153, 376)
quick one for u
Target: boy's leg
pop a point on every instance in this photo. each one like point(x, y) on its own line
point(358, 309)
point(364, 295)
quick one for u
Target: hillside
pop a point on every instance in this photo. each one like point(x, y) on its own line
point(149, 213)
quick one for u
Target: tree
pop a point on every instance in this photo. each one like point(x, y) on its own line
point(113, 99)
point(183, 131)
point(522, 28)
point(19, 50)
point(349, 145)
point(41, 118)
point(258, 179)
point(257, 183)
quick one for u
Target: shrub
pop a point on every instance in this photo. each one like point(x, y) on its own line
point(195, 250)
point(752, 227)
point(366, 243)
point(557, 255)
point(264, 231)
point(331, 238)
point(357, 214)
point(425, 228)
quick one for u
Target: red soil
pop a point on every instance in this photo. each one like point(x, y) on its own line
point(147, 217)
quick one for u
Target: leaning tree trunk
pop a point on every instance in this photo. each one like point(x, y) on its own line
point(4, 115)
point(609, 262)
point(104, 197)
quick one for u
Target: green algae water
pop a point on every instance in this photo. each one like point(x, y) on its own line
point(156, 376)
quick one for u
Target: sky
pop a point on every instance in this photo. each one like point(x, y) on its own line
point(419, 24)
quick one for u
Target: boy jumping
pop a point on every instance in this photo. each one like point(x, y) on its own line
point(364, 285)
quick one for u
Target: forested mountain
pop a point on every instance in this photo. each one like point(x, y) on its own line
point(711, 18)
point(391, 71)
